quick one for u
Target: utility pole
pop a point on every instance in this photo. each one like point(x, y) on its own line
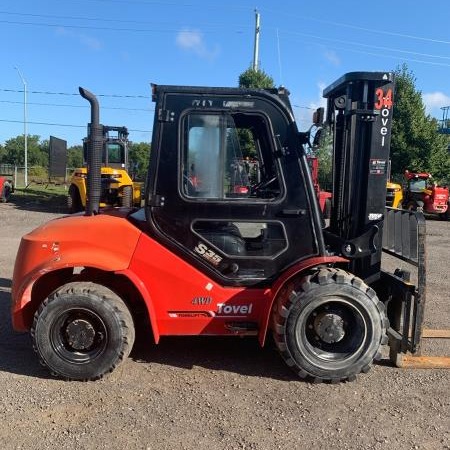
point(256, 46)
point(25, 133)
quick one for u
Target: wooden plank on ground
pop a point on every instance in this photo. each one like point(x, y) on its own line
point(427, 333)
point(422, 362)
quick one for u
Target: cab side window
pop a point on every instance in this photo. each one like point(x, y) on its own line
point(228, 156)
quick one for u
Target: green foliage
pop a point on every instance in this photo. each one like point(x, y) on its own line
point(75, 156)
point(139, 157)
point(416, 145)
point(14, 151)
point(38, 173)
point(324, 154)
point(252, 79)
point(255, 79)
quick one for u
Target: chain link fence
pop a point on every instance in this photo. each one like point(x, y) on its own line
point(36, 175)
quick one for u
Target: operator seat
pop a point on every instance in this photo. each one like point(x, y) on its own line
point(223, 235)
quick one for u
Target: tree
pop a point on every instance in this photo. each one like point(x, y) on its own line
point(14, 152)
point(255, 79)
point(324, 154)
point(75, 156)
point(139, 156)
point(416, 144)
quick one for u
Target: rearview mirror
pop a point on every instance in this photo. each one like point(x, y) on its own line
point(317, 140)
point(318, 116)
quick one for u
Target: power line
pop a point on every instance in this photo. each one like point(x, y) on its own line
point(176, 4)
point(64, 125)
point(355, 27)
point(377, 47)
point(121, 20)
point(434, 63)
point(115, 29)
point(85, 106)
point(78, 106)
point(76, 94)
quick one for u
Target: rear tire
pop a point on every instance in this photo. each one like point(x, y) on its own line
point(127, 197)
point(82, 331)
point(329, 326)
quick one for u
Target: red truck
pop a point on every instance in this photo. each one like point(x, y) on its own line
point(424, 195)
point(6, 188)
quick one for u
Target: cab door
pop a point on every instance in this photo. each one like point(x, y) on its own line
point(228, 190)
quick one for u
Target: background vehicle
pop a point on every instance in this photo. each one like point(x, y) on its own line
point(324, 197)
point(117, 187)
point(423, 194)
point(394, 195)
point(207, 259)
point(313, 143)
point(6, 188)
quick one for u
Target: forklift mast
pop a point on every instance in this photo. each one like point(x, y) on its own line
point(359, 112)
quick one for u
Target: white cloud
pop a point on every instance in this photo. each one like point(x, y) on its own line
point(321, 101)
point(192, 41)
point(434, 101)
point(332, 57)
point(304, 114)
point(86, 40)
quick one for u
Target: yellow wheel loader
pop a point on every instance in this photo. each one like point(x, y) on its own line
point(117, 186)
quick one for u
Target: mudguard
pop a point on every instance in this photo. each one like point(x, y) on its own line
point(103, 242)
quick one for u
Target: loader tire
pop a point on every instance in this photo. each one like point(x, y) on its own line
point(127, 197)
point(329, 326)
point(74, 204)
point(82, 331)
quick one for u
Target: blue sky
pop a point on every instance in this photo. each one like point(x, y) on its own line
point(116, 48)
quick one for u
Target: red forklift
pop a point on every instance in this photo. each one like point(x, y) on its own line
point(6, 188)
point(424, 195)
point(198, 259)
point(324, 197)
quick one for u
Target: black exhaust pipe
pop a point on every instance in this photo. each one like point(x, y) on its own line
point(94, 155)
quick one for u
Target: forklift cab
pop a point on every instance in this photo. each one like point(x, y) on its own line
point(114, 148)
point(241, 223)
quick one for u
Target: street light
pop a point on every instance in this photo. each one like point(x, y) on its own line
point(25, 134)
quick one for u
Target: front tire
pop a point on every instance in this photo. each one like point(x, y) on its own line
point(74, 200)
point(82, 331)
point(329, 326)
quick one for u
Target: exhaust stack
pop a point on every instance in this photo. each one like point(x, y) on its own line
point(94, 155)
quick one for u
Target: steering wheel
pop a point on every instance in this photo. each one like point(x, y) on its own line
point(189, 187)
point(259, 189)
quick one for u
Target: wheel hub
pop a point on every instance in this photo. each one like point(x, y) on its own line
point(80, 334)
point(329, 327)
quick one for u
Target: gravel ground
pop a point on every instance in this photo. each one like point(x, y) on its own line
point(200, 393)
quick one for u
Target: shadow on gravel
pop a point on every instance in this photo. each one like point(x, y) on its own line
point(239, 355)
point(37, 200)
point(242, 356)
point(16, 351)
